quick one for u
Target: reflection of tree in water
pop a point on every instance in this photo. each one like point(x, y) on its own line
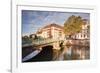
point(74, 53)
point(80, 52)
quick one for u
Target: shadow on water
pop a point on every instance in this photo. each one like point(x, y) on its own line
point(45, 55)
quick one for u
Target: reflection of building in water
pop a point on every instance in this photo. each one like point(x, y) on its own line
point(84, 33)
point(74, 53)
point(78, 52)
point(51, 31)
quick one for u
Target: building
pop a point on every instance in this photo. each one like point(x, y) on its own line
point(84, 33)
point(53, 31)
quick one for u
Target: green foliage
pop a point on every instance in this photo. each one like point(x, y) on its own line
point(26, 40)
point(30, 39)
point(73, 25)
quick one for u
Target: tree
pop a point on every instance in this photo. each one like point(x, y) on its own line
point(73, 25)
point(25, 38)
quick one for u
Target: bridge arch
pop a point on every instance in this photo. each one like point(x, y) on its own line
point(47, 51)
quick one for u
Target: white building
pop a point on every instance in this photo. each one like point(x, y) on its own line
point(84, 33)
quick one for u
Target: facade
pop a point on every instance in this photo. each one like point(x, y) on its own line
point(53, 31)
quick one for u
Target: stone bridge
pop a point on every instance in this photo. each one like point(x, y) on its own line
point(38, 44)
point(55, 43)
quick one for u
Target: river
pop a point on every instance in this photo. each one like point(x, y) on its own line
point(50, 54)
point(73, 53)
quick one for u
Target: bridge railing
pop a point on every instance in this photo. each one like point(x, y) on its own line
point(44, 41)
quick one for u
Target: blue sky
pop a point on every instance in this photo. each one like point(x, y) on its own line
point(33, 20)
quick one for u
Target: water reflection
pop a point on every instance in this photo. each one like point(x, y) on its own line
point(74, 53)
point(47, 53)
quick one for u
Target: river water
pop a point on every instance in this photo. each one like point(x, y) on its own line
point(73, 53)
point(50, 54)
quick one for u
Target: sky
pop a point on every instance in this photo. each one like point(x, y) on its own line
point(33, 20)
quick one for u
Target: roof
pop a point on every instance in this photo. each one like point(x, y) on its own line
point(86, 21)
point(52, 25)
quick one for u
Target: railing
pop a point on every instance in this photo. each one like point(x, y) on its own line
point(44, 41)
point(28, 44)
